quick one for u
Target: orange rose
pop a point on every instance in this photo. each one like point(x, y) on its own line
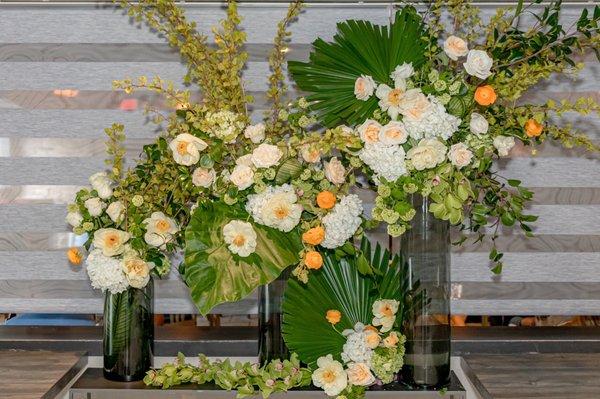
point(313, 260)
point(333, 316)
point(485, 95)
point(371, 328)
point(326, 200)
point(314, 236)
point(74, 256)
point(533, 128)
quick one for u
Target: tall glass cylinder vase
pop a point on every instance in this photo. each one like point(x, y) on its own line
point(270, 300)
point(426, 249)
point(128, 333)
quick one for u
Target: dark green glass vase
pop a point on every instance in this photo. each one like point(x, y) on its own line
point(128, 333)
point(270, 300)
point(426, 249)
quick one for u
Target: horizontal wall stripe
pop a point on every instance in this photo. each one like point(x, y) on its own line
point(530, 307)
point(539, 172)
point(124, 52)
point(537, 243)
point(556, 267)
point(45, 194)
point(526, 291)
point(39, 241)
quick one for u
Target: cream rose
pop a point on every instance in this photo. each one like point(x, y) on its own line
point(137, 271)
point(478, 124)
point(427, 154)
point(310, 153)
point(335, 171)
point(478, 64)
point(391, 341)
point(393, 133)
point(203, 177)
point(242, 176)
point(360, 374)
point(159, 229)
point(455, 47)
point(403, 72)
point(255, 133)
point(414, 105)
point(240, 237)
point(110, 241)
point(102, 184)
point(369, 131)
point(245, 160)
point(364, 87)
point(74, 219)
point(116, 211)
point(266, 155)
point(330, 375)
point(504, 144)
point(372, 339)
point(186, 149)
point(94, 206)
point(460, 155)
point(384, 311)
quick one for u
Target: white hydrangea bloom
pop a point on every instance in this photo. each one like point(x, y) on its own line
point(275, 207)
point(342, 222)
point(355, 349)
point(434, 122)
point(385, 161)
point(106, 273)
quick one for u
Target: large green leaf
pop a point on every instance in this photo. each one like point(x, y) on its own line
point(214, 274)
point(358, 48)
point(339, 285)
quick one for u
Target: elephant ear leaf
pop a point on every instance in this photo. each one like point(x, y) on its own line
point(214, 274)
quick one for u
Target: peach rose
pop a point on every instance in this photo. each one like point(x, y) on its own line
point(313, 260)
point(335, 171)
point(333, 316)
point(364, 87)
point(533, 128)
point(372, 339)
point(326, 199)
point(485, 95)
point(369, 131)
point(314, 236)
point(455, 47)
point(360, 374)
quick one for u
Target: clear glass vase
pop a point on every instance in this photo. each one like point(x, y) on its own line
point(128, 333)
point(426, 249)
point(270, 300)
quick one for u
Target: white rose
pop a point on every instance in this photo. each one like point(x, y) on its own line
point(74, 218)
point(478, 125)
point(460, 155)
point(479, 64)
point(310, 154)
point(102, 184)
point(369, 131)
point(455, 47)
point(335, 171)
point(504, 144)
point(364, 87)
point(266, 155)
point(240, 237)
point(393, 133)
point(116, 211)
point(137, 271)
point(330, 375)
point(414, 104)
point(427, 154)
point(256, 133)
point(159, 229)
point(203, 177)
point(245, 160)
point(186, 149)
point(111, 241)
point(360, 374)
point(95, 206)
point(242, 176)
point(403, 72)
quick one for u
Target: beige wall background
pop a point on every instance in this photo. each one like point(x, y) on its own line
point(50, 144)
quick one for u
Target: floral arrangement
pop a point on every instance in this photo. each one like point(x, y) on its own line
point(408, 109)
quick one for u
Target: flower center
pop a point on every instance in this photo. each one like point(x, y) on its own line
point(394, 96)
point(182, 148)
point(162, 225)
point(111, 240)
point(328, 376)
point(239, 240)
point(392, 133)
point(387, 311)
point(281, 212)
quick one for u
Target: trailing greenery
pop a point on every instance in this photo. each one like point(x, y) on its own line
point(359, 47)
point(247, 379)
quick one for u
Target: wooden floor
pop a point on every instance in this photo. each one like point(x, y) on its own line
point(37, 374)
point(572, 376)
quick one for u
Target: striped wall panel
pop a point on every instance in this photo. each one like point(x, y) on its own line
point(50, 144)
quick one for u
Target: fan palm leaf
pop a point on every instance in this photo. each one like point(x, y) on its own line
point(338, 285)
point(359, 48)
